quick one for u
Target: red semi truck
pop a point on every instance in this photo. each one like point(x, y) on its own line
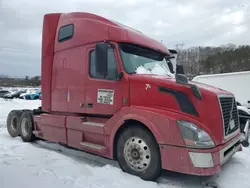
point(94, 100)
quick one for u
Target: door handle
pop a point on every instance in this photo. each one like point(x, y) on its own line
point(89, 105)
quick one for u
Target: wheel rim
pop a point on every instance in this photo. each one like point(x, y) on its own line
point(25, 127)
point(14, 123)
point(137, 154)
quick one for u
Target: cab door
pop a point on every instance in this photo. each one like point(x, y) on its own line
point(104, 96)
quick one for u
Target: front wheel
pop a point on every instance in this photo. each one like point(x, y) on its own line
point(138, 153)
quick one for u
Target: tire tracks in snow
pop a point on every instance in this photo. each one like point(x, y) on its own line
point(77, 155)
point(168, 179)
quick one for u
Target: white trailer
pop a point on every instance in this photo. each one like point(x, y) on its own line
point(237, 83)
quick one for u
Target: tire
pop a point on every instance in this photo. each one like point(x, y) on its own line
point(27, 97)
point(13, 120)
point(36, 97)
point(27, 110)
point(136, 142)
point(245, 143)
point(26, 125)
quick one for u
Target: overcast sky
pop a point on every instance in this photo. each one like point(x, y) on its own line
point(193, 22)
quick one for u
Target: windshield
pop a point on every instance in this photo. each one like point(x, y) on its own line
point(139, 60)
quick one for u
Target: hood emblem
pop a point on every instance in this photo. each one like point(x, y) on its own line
point(147, 86)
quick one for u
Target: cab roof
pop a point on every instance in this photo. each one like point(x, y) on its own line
point(90, 28)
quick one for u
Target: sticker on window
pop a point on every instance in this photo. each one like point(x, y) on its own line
point(105, 96)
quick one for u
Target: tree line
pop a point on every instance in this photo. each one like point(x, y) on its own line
point(195, 60)
point(214, 60)
point(6, 81)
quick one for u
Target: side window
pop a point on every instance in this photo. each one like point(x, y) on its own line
point(66, 32)
point(112, 66)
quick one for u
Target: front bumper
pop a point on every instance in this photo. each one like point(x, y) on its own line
point(203, 162)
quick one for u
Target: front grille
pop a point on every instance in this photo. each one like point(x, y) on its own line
point(229, 113)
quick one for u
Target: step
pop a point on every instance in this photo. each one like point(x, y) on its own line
point(96, 147)
point(93, 124)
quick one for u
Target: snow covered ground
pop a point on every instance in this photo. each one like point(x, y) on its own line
point(42, 164)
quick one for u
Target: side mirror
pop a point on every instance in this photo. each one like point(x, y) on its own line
point(179, 69)
point(101, 59)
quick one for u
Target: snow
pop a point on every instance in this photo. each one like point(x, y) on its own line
point(154, 68)
point(44, 164)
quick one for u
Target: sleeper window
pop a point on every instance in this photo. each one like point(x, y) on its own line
point(66, 32)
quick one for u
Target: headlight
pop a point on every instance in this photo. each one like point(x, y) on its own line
point(193, 136)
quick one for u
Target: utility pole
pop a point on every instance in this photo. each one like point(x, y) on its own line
point(179, 46)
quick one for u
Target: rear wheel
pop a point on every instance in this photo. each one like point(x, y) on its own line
point(138, 153)
point(26, 125)
point(13, 122)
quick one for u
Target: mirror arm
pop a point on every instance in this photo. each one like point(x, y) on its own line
point(119, 76)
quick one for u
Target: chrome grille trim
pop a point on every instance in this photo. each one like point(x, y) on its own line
point(229, 112)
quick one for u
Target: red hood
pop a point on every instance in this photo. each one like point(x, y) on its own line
point(170, 81)
point(211, 88)
point(145, 91)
